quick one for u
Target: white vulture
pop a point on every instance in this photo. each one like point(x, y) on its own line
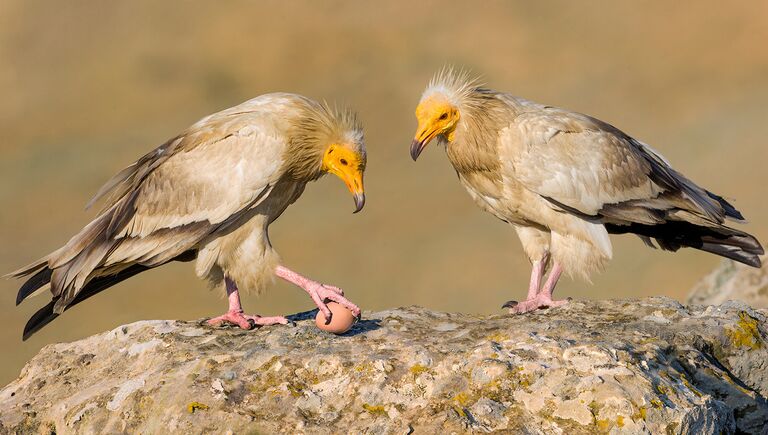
point(565, 181)
point(209, 194)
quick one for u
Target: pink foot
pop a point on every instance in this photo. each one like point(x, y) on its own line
point(246, 321)
point(320, 293)
point(528, 305)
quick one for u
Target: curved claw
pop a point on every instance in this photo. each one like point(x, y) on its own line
point(321, 294)
point(509, 304)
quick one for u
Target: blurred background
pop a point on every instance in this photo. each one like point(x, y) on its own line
point(87, 87)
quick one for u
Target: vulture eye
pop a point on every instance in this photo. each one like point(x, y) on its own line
point(443, 117)
point(343, 162)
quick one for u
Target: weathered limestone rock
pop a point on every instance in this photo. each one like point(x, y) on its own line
point(635, 366)
point(733, 281)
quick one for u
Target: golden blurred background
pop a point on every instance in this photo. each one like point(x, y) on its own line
point(87, 87)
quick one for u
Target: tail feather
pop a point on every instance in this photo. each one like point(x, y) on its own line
point(28, 269)
point(732, 252)
point(96, 285)
point(728, 208)
point(35, 282)
point(744, 242)
point(42, 317)
point(716, 239)
point(47, 314)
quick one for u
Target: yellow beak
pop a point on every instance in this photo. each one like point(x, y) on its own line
point(424, 134)
point(348, 165)
point(353, 178)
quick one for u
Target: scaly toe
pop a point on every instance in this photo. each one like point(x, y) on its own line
point(524, 307)
point(554, 304)
point(530, 305)
point(267, 321)
point(232, 317)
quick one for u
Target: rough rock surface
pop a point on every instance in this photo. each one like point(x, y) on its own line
point(733, 281)
point(634, 366)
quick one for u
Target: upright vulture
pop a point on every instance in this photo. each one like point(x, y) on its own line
point(565, 181)
point(209, 194)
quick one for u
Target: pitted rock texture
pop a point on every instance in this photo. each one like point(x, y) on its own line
point(624, 366)
point(733, 281)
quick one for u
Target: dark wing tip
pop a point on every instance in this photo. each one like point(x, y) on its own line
point(38, 320)
point(37, 280)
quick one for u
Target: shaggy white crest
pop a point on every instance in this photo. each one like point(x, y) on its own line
point(456, 85)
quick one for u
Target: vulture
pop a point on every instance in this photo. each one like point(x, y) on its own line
point(209, 195)
point(565, 181)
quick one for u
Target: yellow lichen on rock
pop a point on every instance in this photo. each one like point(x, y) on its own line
point(374, 409)
point(745, 333)
point(497, 337)
point(603, 425)
point(688, 385)
point(196, 406)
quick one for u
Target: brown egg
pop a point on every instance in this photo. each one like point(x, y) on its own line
point(341, 321)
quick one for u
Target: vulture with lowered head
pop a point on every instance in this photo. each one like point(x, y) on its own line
point(565, 181)
point(209, 194)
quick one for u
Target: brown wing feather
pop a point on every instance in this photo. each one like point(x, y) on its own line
point(594, 168)
point(170, 199)
point(591, 169)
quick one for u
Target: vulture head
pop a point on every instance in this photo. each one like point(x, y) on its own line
point(328, 140)
point(348, 163)
point(439, 110)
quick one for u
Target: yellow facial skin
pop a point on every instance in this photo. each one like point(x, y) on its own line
point(346, 164)
point(436, 116)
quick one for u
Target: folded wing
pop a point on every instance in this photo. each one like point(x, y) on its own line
point(590, 169)
point(162, 206)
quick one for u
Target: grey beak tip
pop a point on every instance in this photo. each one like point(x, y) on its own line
point(416, 148)
point(359, 203)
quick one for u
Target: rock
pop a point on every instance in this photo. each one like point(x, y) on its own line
point(634, 366)
point(733, 281)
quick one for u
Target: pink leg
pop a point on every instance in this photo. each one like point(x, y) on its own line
point(320, 293)
point(537, 273)
point(543, 299)
point(235, 313)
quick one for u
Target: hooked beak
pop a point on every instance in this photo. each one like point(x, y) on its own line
point(422, 139)
point(359, 201)
point(349, 166)
point(417, 147)
point(354, 181)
